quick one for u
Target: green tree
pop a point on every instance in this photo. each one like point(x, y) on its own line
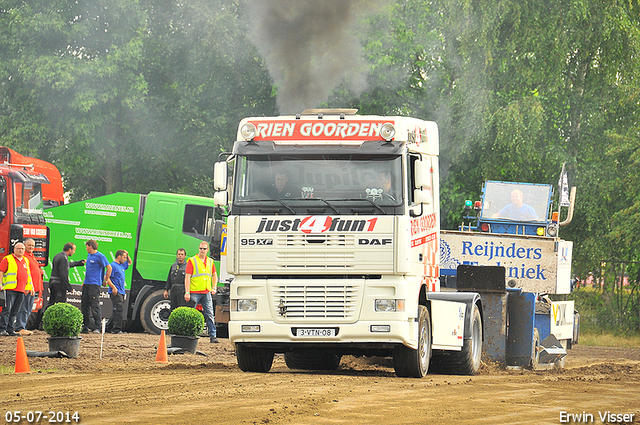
point(128, 96)
point(518, 88)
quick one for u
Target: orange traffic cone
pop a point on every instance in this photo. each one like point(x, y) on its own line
point(22, 363)
point(161, 356)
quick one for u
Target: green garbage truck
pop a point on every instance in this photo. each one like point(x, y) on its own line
point(151, 227)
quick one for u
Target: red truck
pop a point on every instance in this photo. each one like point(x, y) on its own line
point(27, 186)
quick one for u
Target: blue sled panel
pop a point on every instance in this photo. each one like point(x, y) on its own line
point(521, 313)
point(543, 323)
point(494, 312)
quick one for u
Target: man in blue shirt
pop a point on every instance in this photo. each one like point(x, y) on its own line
point(94, 278)
point(116, 290)
point(517, 210)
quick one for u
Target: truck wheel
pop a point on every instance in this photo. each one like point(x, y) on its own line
point(411, 363)
point(535, 350)
point(253, 359)
point(154, 312)
point(312, 360)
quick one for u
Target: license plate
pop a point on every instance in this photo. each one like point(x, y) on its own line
point(315, 332)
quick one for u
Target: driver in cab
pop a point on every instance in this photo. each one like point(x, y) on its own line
point(282, 188)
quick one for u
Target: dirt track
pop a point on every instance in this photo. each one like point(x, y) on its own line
point(127, 386)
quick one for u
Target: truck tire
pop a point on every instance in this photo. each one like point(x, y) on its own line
point(254, 359)
point(468, 360)
point(154, 312)
point(312, 360)
point(411, 363)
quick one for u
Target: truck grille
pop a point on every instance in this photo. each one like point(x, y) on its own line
point(331, 302)
point(315, 254)
point(316, 240)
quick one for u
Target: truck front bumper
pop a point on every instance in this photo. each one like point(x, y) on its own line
point(363, 335)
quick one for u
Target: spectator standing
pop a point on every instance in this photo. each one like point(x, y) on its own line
point(200, 282)
point(94, 278)
point(116, 290)
point(15, 278)
point(174, 289)
point(59, 282)
point(36, 280)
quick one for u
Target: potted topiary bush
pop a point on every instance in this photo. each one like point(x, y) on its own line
point(185, 324)
point(63, 323)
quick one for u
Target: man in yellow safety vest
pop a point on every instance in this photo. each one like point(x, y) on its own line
point(15, 280)
point(200, 282)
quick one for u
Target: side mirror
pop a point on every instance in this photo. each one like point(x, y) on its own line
point(422, 171)
point(216, 239)
point(422, 196)
point(220, 176)
point(220, 199)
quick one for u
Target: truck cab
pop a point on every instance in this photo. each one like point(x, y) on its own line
point(332, 239)
point(22, 202)
point(517, 209)
point(21, 208)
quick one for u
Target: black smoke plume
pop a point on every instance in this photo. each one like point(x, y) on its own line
point(310, 46)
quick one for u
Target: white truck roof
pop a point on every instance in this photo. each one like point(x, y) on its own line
point(342, 128)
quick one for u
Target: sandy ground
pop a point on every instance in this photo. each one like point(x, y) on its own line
point(128, 386)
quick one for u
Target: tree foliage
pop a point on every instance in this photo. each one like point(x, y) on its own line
point(128, 95)
point(518, 89)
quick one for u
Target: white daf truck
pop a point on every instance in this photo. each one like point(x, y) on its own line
point(333, 235)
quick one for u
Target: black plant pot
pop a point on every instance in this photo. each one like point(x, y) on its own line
point(188, 343)
point(69, 344)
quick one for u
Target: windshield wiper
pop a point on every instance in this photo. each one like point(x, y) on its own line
point(372, 204)
point(293, 212)
point(325, 202)
point(266, 209)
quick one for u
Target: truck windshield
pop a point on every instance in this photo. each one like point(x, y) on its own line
point(28, 203)
point(28, 198)
point(516, 201)
point(334, 182)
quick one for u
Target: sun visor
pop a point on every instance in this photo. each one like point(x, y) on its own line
point(270, 148)
point(24, 177)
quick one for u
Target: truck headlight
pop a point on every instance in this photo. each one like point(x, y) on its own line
point(389, 305)
point(245, 305)
point(248, 131)
point(387, 131)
